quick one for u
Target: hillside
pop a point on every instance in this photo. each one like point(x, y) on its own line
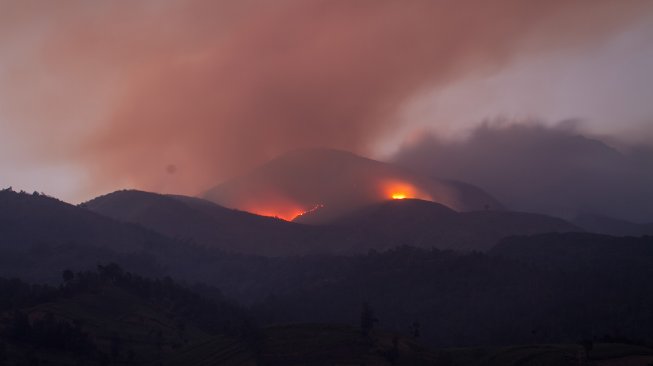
point(337, 182)
point(377, 226)
point(112, 317)
point(611, 226)
point(484, 299)
point(426, 224)
point(205, 223)
point(604, 255)
point(33, 219)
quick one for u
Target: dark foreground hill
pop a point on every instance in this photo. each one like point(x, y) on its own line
point(110, 317)
point(540, 289)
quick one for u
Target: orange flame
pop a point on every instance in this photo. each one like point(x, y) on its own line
point(399, 190)
point(315, 208)
point(287, 214)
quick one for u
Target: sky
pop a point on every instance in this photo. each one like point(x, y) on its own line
point(175, 96)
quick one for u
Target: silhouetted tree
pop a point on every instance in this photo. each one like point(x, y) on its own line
point(20, 328)
point(415, 330)
point(3, 353)
point(588, 345)
point(393, 354)
point(111, 271)
point(116, 345)
point(368, 319)
point(68, 276)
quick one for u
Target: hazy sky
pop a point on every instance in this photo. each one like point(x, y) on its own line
point(177, 95)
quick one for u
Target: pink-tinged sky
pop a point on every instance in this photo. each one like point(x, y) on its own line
point(175, 95)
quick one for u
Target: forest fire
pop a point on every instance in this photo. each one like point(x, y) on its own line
point(315, 208)
point(287, 214)
point(399, 190)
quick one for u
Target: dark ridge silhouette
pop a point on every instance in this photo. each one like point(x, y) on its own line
point(378, 226)
point(611, 226)
point(608, 255)
point(33, 219)
point(426, 224)
point(206, 223)
point(528, 289)
point(339, 181)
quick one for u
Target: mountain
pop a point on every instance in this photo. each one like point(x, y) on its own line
point(377, 226)
point(427, 224)
point(544, 288)
point(40, 234)
point(337, 182)
point(33, 219)
point(611, 226)
point(205, 223)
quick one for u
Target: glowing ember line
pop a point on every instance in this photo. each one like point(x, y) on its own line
point(315, 208)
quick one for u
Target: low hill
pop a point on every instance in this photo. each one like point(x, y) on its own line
point(377, 226)
point(339, 182)
point(535, 295)
point(598, 253)
point(427, 224)
point(113, 317)
point(40, 235)
point(32, 219)
point(205, 223)
point(611, 226)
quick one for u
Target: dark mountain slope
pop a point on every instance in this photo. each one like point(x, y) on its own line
point(603, 254)
point(611, 226)
point(205, 223)
point(32, 219)
point(378, 226)
point(113, 317)
point(427, 224)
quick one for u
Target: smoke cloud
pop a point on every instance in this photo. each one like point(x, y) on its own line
point(555, 170)
point(177, 95)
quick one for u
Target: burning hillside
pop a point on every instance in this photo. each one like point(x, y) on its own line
point(332, 183)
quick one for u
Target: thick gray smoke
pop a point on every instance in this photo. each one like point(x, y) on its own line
point(555, 170)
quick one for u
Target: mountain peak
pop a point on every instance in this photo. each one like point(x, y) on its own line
point(339, 181)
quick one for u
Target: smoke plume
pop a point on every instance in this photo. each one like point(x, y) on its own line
point(176, 95)
point(555, 170)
